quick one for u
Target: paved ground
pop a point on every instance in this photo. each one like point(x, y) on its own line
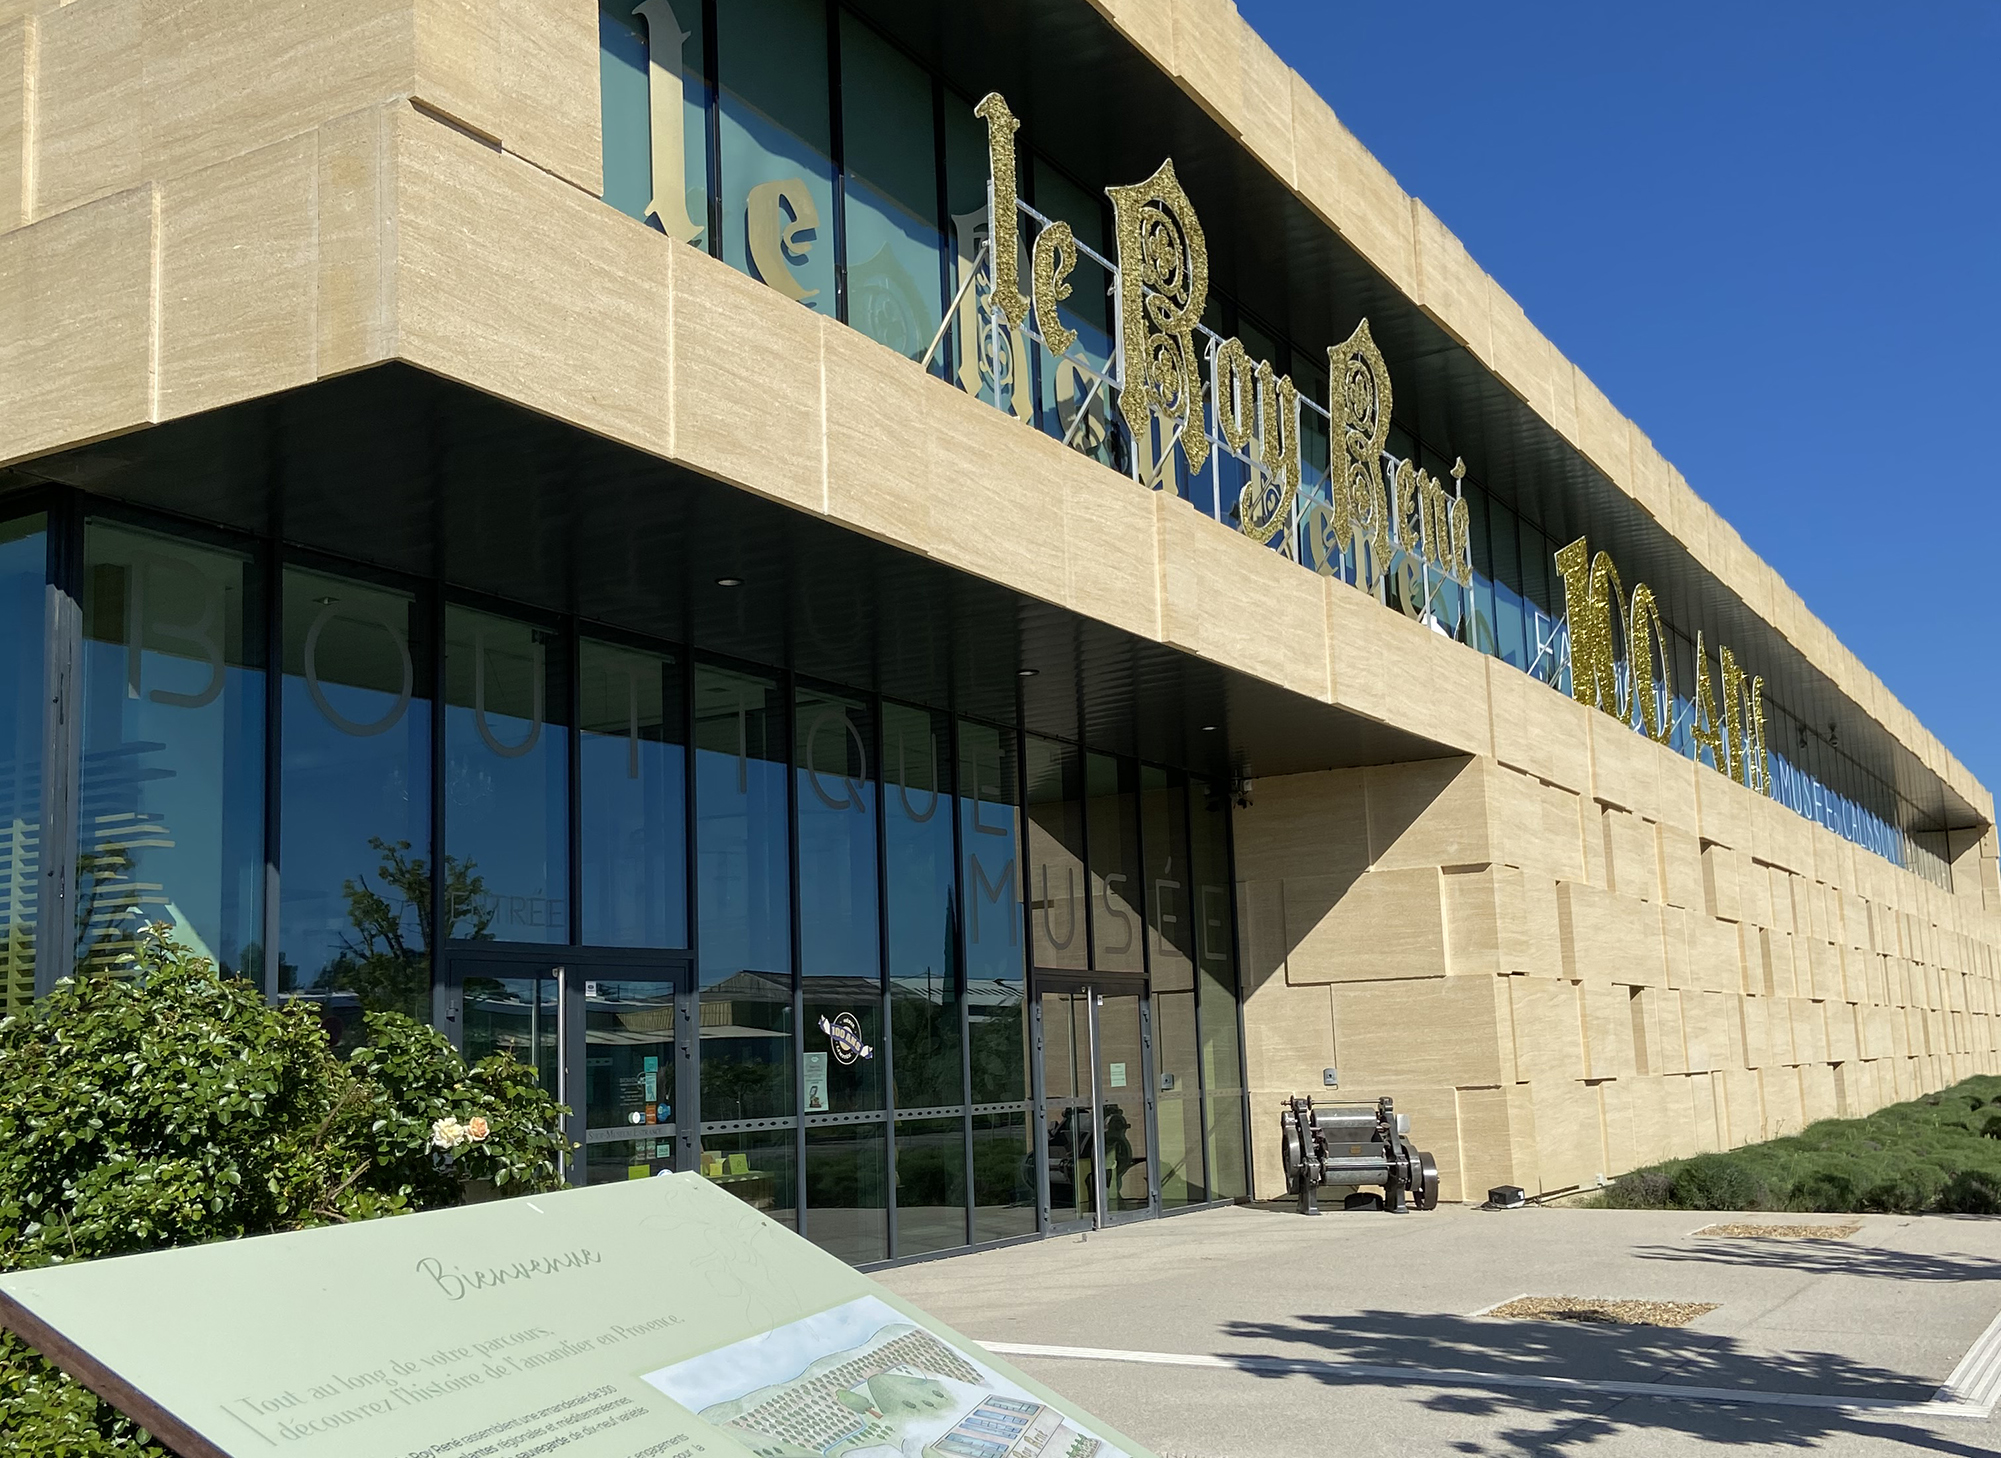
point(1357, 1333)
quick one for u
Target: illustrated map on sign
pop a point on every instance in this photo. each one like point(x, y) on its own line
point(863, 1381)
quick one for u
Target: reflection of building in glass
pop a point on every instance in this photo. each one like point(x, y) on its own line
point(695, 558)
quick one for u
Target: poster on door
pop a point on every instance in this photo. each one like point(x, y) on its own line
point(817, 1101)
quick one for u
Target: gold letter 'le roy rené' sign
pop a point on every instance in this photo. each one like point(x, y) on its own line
point(1393, 518)
point(1626, 670)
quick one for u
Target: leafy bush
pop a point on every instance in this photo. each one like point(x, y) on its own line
point(1941, 1152)
point(176, 1106)
point(1717, 1182)
point(1971, 1192)
point(1643, 1189)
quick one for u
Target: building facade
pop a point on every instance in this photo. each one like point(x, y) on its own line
point(559, 519)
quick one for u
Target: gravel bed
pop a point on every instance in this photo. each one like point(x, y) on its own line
point(1748, 1231)
point(1598, 1309)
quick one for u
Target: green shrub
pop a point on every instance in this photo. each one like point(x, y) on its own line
point(1971, 1192)
point(1911, 1191)
point(175, 1106)
point(1824, 1190)
point(1716, 1182)
point(1643, 1189)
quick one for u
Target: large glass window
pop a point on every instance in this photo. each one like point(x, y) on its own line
point(1112, 785)
point(847, 1170)
point(1057, 883)
point(743, 875)
point(1004, 1178)
point(507, 786)
point(172, 790)
point(633, 782)
point(23, 591)
point(930, 1185)
point(923, 929)
point(1213, 909)
point(839, 949)
point(1171, 930)
point(355, 865)
point(996, 1000)
point(655, 100)
point(778, 176)
point(896, 283)
point(758, 1166)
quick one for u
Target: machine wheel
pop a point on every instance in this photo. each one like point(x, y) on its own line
point(1426, 1192)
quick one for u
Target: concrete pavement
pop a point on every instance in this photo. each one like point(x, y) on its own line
point(1358, 1333)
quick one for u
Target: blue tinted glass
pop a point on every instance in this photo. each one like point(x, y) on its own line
point(923, 920)
point(172, 789)
point(896, 285)
point(507, 787)
point(23, 575)
point(839, 945)
point(355, 863)
point(837, 892)
point(778, 181)
point(742, 845)
point(635, 75)
point(996, 1007)
point(633, 776)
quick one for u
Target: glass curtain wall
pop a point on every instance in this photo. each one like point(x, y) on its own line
point(894, 252)
point(778, 194)
point(850, 868)
point(997, 1011)
point(171, 791)
point(840, 964)
point(743, 855)
point(1170, 942)
point(1212, 909)
point(922, 941)
point(24, 556)
point(355, 800)
point(507, 780)
point(632, 777)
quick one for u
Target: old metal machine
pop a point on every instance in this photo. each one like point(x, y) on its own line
point(1355, 1144)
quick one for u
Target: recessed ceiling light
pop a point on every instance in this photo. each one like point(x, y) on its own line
point(1208, 728)
point(729, 582)
point(1026, 672)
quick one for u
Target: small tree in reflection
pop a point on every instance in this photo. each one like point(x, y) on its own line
point(379, 961)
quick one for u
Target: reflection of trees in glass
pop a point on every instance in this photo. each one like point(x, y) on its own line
point(999, 1051)
point(380, 962)
point(743, 1088)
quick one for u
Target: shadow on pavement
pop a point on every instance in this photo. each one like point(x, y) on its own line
point(1827, 1258)
point(1557, 1421)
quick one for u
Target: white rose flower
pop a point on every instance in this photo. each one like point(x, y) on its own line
point(448, 1133)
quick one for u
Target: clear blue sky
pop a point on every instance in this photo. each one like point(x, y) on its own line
point(1772, 234)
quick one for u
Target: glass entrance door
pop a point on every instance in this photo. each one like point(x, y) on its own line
point(607, 1039)
point(1096, 1058)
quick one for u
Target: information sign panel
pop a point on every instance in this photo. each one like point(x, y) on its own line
point(658, 1318)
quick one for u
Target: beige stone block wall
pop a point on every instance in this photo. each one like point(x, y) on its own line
point(1603, 990)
